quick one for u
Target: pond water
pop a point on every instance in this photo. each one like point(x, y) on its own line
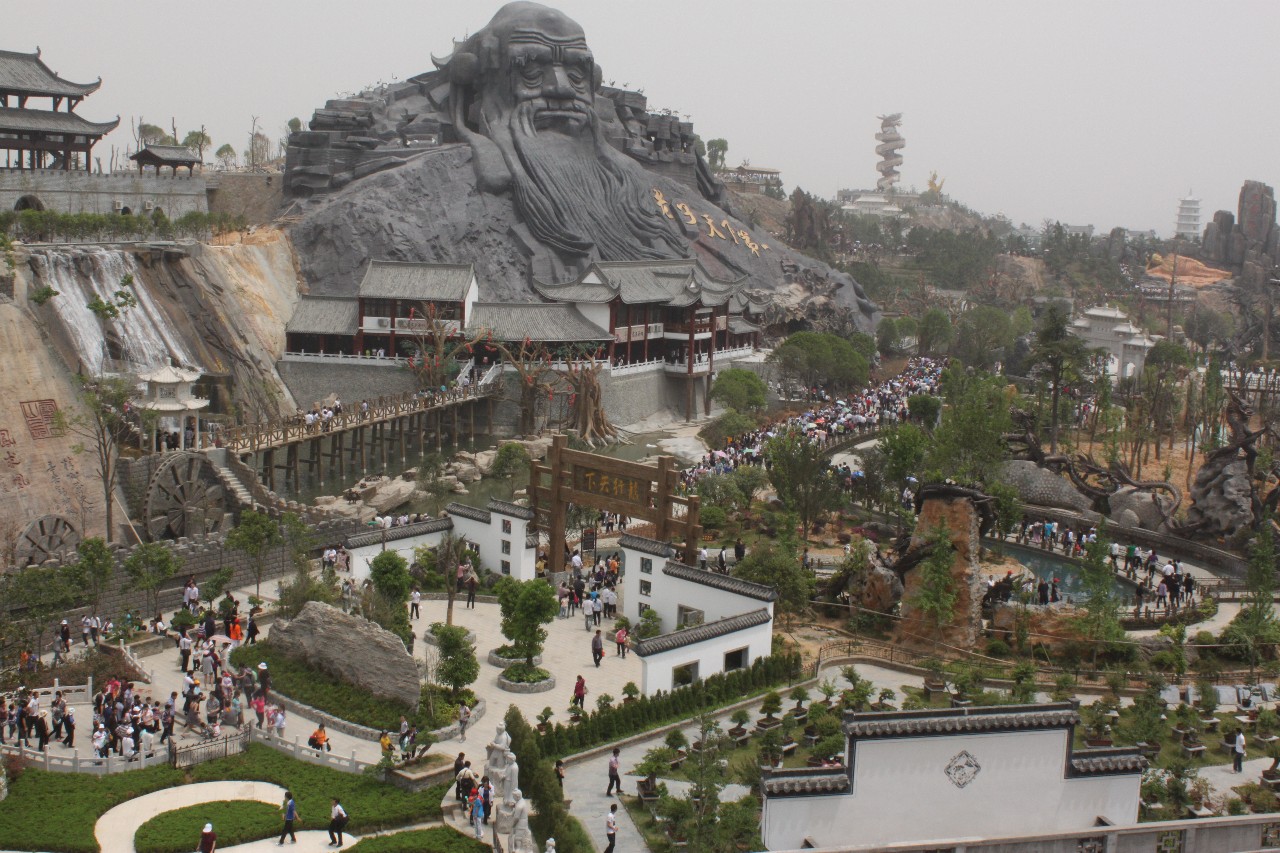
point(640, 447)
point(1049, 565)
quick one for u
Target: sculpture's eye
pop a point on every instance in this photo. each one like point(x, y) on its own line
point(579, 72)
point(531, 73)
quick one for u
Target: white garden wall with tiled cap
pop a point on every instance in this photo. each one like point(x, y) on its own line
point(903, 793)
point(361, 557)
point(709, 655)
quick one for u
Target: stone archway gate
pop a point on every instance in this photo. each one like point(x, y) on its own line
point(633, 489)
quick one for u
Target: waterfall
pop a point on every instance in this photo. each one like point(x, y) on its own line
point(143, 333)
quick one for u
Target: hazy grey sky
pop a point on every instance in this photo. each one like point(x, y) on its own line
point(1099, 112)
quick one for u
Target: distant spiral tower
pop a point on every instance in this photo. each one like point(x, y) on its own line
point(890, 141)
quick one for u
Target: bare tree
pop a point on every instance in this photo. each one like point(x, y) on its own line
point(102, 426)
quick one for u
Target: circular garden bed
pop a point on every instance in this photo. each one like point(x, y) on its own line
point(505, 656)
point(431, 640)
point(520, 678)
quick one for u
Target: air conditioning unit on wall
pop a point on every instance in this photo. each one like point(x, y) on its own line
point(384, 322)
point(117, 205)
point(149, 206)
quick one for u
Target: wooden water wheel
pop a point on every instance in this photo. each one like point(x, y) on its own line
point(48, 537)
point(184, 498)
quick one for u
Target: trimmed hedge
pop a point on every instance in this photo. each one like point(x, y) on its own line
point(538, 783)
point(347, 701)
point(235, 822)
point(69, 804)
point(520, 673)
point(648, 712)
point(438, 839)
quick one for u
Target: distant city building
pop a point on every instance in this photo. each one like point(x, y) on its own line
point(1188, 225)
point(1032, 236)
point(1085, 231)
point(1133, 236)
point(750, 179)
point(873, 203)
point(1109, 329)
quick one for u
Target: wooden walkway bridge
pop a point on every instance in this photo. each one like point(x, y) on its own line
point(356, 438)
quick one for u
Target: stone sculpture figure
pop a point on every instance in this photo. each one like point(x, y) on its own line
point(522, 93)
point(497, 751)
point(505, 786)
point(510, 779)
point(521, 839)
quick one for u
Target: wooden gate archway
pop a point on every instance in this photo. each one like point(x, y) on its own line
point(633, 489)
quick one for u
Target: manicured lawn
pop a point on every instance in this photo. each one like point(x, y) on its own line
point(235, 822)
point(438, 839)
point(57, 811)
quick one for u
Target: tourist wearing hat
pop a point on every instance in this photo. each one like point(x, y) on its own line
point(208, 839)
point(264, 679)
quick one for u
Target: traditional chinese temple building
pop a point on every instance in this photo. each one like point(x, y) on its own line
point(173, 157)
point(34, 136)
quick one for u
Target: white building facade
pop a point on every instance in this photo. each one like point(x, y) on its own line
point(1109, 329)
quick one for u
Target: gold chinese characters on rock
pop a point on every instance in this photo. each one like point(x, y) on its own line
point(725, 230)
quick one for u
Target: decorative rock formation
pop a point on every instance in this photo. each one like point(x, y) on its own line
point(1035, 485)
point(962, 518)
point(881, 590)
point(1139, 508)
point(352, 649)
point(1052, 626)
point(1249, 243)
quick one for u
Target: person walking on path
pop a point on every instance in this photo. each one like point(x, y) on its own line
point(208, 839)
point(477, 812)
point(621, 639)
point(580, 692)
point(337, 821)
point(615, 778)
point(1237, 754)
point(415, 603)
point(611, 826)
point(290, 815)
point(597, 648)
point(464, 715)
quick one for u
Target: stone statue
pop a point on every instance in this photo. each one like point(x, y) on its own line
point(522, 93)
point(551, 845)
point(521, 839)
point(510, 778)
point(497, 749)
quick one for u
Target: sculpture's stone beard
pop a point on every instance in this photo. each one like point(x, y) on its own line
point(573, 195)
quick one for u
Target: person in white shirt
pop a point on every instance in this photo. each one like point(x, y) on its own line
point(337, 821)
point(611, 827)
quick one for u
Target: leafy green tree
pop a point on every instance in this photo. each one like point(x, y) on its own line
point(904, 447)
point(255, 536)
point(150, 566)
point(721, 490)
point(458, 666)
point(936, 595)
point(984, 334)
point(716, 149)
point(778, 565)
point(728, 425)
point(217, 584)
point(821, 359)
point(451, 553)
point(739, 389)
point(924, 408)
point(35, 596)
point(226, 155)
point(390, 575)
point(1022, 320)
point(197, 141)
point(801, 474)
point(1061, 357)
point(967, 445)
point(526, 607)
point(1256, 625)
point(1100, 622)
point(93, 569)
point(935, 333)
point(887, 337)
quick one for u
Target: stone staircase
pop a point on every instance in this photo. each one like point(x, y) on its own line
point(231, 480)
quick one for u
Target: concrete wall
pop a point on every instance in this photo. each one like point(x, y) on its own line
point(901, 794)
point(489, 537)
point(708, 655)
point(668, 594)
point(254, 195)
point(362, 557)
point(310, 382)
point(80, 192)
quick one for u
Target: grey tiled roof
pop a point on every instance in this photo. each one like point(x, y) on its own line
point(429, 282)
point(705, 631)
point(1107, 762)
point(782, 783)
point(646, 546)
point(44, 121)
point(960, 720)
point(374, 537)
point(472, 512)
point(508, 508)
point(325, 316)
point(676, 283)
point(728, 583)
point(27, 73)
point(177, 154)
point(740, 326)
point(531, 541)
point(537, 321)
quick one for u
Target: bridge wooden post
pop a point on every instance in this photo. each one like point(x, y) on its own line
point(439, 419)
point(314, 462)
point(291, 465)
point(381, 431)
point(335, 449)
point(269, 468)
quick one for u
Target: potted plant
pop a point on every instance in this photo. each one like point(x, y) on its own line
point(934, 683)
point(630, 692)
point(965, 681)
point(544, 719)
point(1185, 721)
point(827, 750)
point(739, 718)
point(799, 696)
point(828, 690)
point(771, 748)
point(655, 761)
point(770, 705)
point(603, 702)
point(817, 713)
point(575, 714)
point(1271, 775)
point(1264, 732)
point(1097, 721)
point(678, 743)
point(884, 702)
point(788, 734)
point(1206, 698)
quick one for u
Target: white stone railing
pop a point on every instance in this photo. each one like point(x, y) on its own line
point(649, 366)
point(325, 357)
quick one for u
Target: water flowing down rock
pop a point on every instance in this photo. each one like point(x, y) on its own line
point(353, 649)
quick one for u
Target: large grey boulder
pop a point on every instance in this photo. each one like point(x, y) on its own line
point(1035, 485)
point(1222, 497)
point(1141, 504)
point(352, 649)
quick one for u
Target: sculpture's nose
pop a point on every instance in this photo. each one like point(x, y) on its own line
point(559, 84)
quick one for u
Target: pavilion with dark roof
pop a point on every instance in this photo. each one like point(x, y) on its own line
point(174, 157)
point(52, 138)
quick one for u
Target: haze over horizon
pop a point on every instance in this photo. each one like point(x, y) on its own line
point(1086, 112)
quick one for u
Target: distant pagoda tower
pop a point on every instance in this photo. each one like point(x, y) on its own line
point(890, 141)
point(43, 136)
point(1188, 218)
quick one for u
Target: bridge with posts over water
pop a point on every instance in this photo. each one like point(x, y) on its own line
point(356, 438)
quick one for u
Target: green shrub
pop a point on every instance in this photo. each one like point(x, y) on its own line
point(522, 673)
point(713, 518)
point(235, 822)
point(997, 649)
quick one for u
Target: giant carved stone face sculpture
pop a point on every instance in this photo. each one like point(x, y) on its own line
point(522, 92)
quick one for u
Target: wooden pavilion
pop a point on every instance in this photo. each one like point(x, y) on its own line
point(44, 138)
point(174, 157)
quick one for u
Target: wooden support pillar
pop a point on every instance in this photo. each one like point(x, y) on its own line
point(382, 445)
point(339, 439)
point(316, 465)
point(269, 468)
point(439, 419)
